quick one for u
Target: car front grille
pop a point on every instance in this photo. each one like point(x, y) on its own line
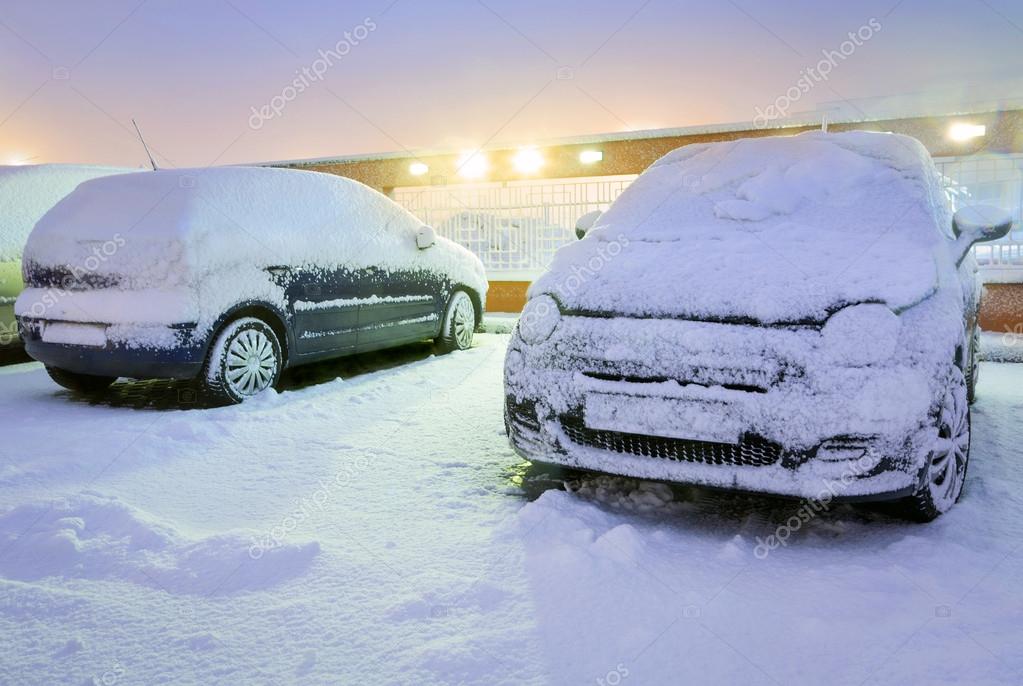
point(750, 452)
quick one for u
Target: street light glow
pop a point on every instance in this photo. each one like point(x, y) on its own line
point(962, 131)
point(528, 160)
point(473, 164)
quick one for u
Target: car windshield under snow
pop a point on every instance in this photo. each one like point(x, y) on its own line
point(816, 221)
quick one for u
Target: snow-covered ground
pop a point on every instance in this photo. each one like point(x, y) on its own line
point(375, 530)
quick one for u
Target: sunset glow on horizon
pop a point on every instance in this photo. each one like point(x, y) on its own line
point(219, 83)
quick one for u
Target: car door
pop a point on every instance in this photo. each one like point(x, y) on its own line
point(398, 306)
point(400, 299)
point(324, 305)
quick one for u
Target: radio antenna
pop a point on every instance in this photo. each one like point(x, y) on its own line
point(151, 160)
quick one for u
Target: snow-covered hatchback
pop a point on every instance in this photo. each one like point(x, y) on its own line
point(233, 274)
point(788, 315)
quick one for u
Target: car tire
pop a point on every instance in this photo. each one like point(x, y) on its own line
point(945, 473)
point(459, 324)
point(244, 360)
point(80, 383)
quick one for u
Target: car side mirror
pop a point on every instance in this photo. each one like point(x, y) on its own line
point(586, 222)
point(425, 237)
point(978, 224)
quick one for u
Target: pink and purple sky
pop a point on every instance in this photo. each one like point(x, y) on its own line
point(454, 74)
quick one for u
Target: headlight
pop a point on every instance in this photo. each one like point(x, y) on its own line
point(861, 335)
point(539, 319)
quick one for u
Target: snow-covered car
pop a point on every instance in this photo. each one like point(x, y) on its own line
point(230, 275)
point(26, 193)
point(787, 315)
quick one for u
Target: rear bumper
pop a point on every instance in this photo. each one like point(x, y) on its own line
point(181, 361)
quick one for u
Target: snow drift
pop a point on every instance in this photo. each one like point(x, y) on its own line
point(91, 537)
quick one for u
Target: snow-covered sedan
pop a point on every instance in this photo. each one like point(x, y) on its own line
point(788, 315)
point(230, 275)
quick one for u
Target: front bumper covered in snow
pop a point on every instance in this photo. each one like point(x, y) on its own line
point(733, 406)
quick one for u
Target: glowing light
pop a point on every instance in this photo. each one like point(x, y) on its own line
point(591, 156)
point(961, 131)
point(528, 160)
point(418, 169)
point(473, 165)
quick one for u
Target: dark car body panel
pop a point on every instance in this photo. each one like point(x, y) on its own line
point(329, 314)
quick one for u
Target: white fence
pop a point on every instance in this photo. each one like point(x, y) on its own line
point(992, 179)
point(516, 227)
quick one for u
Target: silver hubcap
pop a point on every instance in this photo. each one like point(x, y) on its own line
point(251, 364)
point(948, 459)
point(463, 321)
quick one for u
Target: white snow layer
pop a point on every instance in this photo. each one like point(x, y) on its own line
point(27, 192)
point(775, 229)
point(434, 568)
point(90, 537)
point(206, 236)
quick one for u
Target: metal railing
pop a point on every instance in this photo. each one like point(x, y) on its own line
point(516, 227)
point(995, 179)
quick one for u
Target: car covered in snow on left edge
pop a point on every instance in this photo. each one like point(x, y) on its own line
point(786, 315)
point(230, 275)
point(26, 193)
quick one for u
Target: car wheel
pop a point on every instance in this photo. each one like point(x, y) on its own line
point(244, 360)
point(946, 465)
point(80, 383)
point(459, 323)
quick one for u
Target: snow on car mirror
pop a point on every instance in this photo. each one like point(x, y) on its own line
point(977, 224)
point(982, 222)
point(425, 237)
point(586, 222)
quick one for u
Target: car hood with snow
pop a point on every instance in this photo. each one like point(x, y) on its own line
point(813, 222)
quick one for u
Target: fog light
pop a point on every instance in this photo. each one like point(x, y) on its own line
point(840, 452)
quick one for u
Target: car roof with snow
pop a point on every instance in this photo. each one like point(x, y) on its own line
point(771, 229)
point(203, 220)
